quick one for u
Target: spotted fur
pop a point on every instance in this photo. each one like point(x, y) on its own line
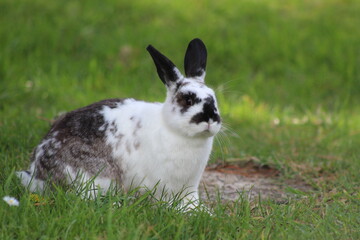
point(134, 143)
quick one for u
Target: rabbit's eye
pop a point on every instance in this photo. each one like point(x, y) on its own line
point(189, 101)
point(186, 100)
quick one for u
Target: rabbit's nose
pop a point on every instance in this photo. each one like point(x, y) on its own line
point(216, 118)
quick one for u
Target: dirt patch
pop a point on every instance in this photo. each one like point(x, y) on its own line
point(247, 178)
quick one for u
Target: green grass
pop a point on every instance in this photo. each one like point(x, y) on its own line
point(287, 76)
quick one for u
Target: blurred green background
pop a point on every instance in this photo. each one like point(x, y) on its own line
point(287, 78)
point(286, 72)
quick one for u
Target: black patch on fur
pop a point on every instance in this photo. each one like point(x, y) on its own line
point(76, 139)
point(209, 112)
point(113, 128)
point(186, 100)
point(84, 122)
point(179, 85)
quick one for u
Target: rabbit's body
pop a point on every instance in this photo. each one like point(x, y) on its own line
point(133, 143)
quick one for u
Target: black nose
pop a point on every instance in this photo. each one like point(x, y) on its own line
point(209, 112)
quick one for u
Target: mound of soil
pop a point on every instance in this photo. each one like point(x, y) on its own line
point(247, 178)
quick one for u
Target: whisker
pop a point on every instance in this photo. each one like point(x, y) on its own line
point(217, 139)
point(225, 142)
point(225, 128)
point(225, 87)
point(223, 139)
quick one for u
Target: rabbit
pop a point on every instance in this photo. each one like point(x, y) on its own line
point(134, 143)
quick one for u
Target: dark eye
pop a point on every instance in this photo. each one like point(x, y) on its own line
point(189, 101)
point(186, 100)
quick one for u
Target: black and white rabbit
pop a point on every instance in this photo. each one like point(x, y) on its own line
point(136, 143)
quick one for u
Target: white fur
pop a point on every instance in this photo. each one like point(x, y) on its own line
point(154, 144)
point(28, 180)
point(95, 186)
point(172, 153)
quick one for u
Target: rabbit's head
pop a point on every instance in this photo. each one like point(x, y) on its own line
point(190, 107)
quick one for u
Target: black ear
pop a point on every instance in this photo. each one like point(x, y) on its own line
point(195, 58)
point(167, 70)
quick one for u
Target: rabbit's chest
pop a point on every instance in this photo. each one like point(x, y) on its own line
point(174, 165)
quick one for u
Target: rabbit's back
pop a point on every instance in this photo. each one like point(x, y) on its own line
point(77, 142)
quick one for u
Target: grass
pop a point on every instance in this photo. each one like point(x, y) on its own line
point(287, 78)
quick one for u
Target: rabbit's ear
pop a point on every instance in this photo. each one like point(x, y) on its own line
point(195, 60)
point(167, 70)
